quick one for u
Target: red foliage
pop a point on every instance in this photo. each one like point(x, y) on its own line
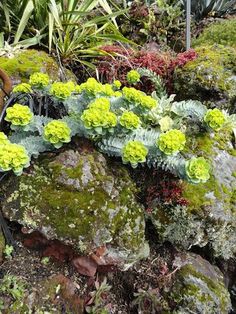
point(184, 57)
point(164, 189)
point(123, 60)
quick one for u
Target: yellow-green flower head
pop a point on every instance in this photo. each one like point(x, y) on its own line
point(117, 94)
point(107, 90)
point(198, 169)
point(165, 123)
point(22, 88)
point(132, 94)
point(13, 157)
point(139, 98)
point(19, 115)
point(57, 132)
point(78, 89)
point(100, 104)
point(133, 77)
point(39, 80)
point(94, 118)
point(71, 85)
point(130, 120)
point(60, 90)
point(214, 119)
point(148, 102)
point(171, 142)
point(3, 139)
point(91, 86)
point(117, 84)
point(134, 152)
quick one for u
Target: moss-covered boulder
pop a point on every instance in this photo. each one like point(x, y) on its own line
point(26, 62)
point(210, 78)
point(223, 33)
point(81, 200)
point(208, 214)
point(198, 287)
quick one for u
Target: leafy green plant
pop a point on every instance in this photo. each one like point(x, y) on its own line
point(149, 302)
point(202, 8)
point(127, 124)
point(13, 286)
point(96, 301)
point(157, 21)
point(66, 27)
point(216, 34)
point(8, 251)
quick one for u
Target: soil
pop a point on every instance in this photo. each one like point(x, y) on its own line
point(152, 274)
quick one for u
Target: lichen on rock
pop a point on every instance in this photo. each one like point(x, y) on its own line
point(81, 200)
point(198, 287)
point(26, 62)
point(209, 216)
point(210, 77)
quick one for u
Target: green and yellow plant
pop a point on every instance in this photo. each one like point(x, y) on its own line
point(19, 115)
point(57, 132)
point(119, 124)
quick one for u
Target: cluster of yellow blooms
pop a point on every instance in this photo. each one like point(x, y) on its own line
point(98, 117)
point(19, 115)
point(139, 98)
point(171, 142)
point(12, 156)
point(57, 132)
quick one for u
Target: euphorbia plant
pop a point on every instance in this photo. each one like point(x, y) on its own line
point(129, 124)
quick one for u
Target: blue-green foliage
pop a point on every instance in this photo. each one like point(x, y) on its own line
point(86, 117)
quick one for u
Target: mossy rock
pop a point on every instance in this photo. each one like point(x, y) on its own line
point(81, 200)
point(223, 33)
point(209, 78)
point(27, 62)
point(198, 287)
point(209, 218)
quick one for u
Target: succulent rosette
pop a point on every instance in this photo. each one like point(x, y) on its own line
point(57, 132)
point(139, 98)
point(101, 103)
point(215, 119)
point(39, 80)
point(22, 88)
point(61, 90)
point(98, 120)
point(171, 142)
point(129, 120)
point(13, 157)
point(198, 170)
point(134, 152)
point(117, 84)
point(133, 77)
point(3, 139)
point(19, 115)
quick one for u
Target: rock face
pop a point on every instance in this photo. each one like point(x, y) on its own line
point(26, 62)
point(81, 200)
point(209, 216)
point(199, 287)
point(209, 78)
